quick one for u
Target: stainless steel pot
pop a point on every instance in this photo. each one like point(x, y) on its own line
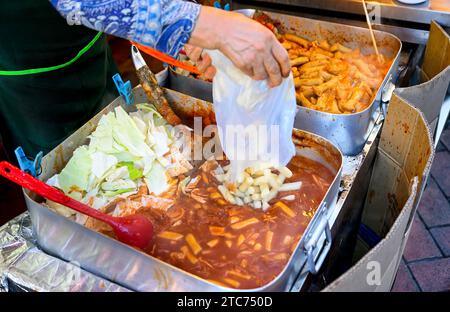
point(136, 270)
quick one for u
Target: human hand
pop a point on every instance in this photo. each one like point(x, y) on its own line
point(249, 45)
point(202, 60)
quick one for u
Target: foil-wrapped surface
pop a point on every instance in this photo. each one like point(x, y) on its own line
point(24, 267)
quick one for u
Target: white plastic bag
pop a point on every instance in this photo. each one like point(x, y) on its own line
point(255, 121)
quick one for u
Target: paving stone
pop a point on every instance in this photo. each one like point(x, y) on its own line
point(432, 275)
point(420, 244)
point(404, 281)
point(434, 207)
point(440, 171)
point(442, 237)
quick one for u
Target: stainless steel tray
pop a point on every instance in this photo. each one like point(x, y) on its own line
point(135, 270)
point(197, 88)
point(350, 131)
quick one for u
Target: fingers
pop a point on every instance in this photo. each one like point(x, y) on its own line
point(250, 46)
point(194, 53)
point(282, 58)
point(273, 70)
point(210, 72)
point(204, 65)
point(203, 62)
point(259, 70)
point(241, 63)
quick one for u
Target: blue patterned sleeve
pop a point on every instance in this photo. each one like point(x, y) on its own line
point(162, 24)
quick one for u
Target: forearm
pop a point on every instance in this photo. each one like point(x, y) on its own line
point(205, 33)
point(163, 24)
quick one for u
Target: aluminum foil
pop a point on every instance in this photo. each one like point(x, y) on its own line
point(24, 267)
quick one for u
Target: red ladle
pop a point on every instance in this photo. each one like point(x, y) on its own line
point(133, 230)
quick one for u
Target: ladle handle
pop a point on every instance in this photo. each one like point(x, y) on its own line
point(29, 182)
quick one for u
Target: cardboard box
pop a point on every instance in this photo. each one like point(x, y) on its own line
point(402, 165)
point(434, 74)
point(401, 168)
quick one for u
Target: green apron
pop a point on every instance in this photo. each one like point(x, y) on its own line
point(39, 111)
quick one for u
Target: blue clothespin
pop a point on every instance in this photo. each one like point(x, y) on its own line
point(124, 89)
point(226, 7)
point(32, 167)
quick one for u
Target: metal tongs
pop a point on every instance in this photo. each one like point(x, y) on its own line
point(154, 92)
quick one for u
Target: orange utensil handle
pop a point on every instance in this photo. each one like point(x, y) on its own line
point(167, 59)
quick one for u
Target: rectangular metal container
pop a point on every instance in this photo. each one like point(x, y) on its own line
point(138, 271)
point(197, 88)
point(348, 131)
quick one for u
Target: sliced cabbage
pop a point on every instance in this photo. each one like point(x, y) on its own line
point(156, 179)
point(118, 192)
point(102, 138)
point(164, 161)
point(126, 156)
point(60, 209)
point(129, 136)
point(101, 163)
point(133, 172)
point(75, 176)
point(94, 199)
point(148, 108)
point(125, 151)
point(142, 126)
point(118, 185)
point(142, 164)
point(53, 181)
point(150, 139)
point(162, 141)
point(118, 173)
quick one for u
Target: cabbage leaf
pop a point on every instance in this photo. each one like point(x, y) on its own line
point(75, 176)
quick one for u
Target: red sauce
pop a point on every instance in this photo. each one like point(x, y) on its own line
point(225, 253)
point(213, 240)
